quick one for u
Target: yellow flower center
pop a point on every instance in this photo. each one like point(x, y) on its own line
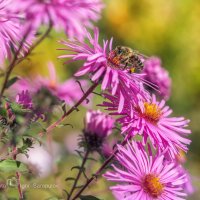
point(152, 185)
point(151, 112)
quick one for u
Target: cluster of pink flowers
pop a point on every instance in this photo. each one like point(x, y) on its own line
point(19, 23)
point(140, 174)
point(149, 167)
point(11, 32)
point(68, 91)
point(102, 69)
point(67, 15)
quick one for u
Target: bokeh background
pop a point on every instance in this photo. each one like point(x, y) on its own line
point(168, 29)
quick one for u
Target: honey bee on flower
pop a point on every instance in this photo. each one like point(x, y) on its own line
point(109, 67)
point(125, 57)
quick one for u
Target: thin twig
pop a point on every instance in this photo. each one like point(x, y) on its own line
point(72, 109)
point(36, 44)
point(19, 186)
point(79, 83)
point(78, 175)
point(17, 60)
point(18, 177)
point(12, 64)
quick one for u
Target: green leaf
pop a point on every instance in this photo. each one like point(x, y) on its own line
point(33, 130)
point(12, 81)
point(62, 125)
point(70, 179)
point(24, 144)
point(3, 112)
point(78, 168)
point(18, 109)
point(12, 166)
point(89, 197)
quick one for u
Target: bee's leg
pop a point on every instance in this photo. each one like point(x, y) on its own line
point(125, 61)
point(125, 66)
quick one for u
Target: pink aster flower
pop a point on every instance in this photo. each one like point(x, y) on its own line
point(67, 15)
point(156, 74)
point(187, 185)
point(24, 99)
point(108, 148)
point(142, 175)
point(117, 194)
point(11, 32)
point(97, 126)
point(152, 120)
point(105, 67)
point(69, 91)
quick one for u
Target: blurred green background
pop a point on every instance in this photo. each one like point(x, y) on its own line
point(168, 29)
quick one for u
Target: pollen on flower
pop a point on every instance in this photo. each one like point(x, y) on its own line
point(151, 112)
point(152, 185)
point(113, 60)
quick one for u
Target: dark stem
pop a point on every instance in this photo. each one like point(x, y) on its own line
point(12, 64)
point(17, 60)
point(37, 43)
point(18, 176)
point(78, 175)
point(99, 171)
point(72, 109)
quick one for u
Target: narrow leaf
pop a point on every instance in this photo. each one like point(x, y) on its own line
point(12, 81)
point(70, 179)
point(89, 197)
point(78, 167)
point(12, 166)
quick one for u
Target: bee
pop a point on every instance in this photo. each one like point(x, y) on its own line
point(126, 58)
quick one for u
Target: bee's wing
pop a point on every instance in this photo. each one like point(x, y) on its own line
point(144, 56)
point(139, 54)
